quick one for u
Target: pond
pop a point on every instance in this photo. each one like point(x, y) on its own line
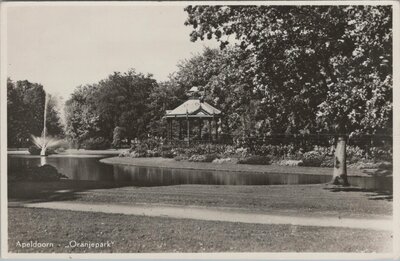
point(89, 168)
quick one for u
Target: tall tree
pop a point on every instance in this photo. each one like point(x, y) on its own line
point(25, 104)
point(325, 68)
point(165, 96)
point(121, 100)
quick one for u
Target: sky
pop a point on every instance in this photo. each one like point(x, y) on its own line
point(62, 47)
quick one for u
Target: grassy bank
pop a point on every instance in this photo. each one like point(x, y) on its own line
point(136, 234)
point(171, 163)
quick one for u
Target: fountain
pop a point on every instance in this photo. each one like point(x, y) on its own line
point(45, 141)
point(43, 151)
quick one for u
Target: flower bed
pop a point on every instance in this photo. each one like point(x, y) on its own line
point(286, 155)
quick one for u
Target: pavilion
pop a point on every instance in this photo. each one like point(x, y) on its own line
point(194, 111)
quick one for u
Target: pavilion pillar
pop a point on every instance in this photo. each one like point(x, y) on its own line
point(180, 129)
point(167, 130)
point(188, 130)
point(216, 130)
point(170, 130)
point(210, 129)
point(200, 127)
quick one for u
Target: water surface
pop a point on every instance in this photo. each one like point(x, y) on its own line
point(91, 169)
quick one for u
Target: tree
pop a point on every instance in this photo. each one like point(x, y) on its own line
point(319, 68)
point(122, 100)
point(117, 137)
point(166, 95)
point(25, 104)
point(222, 76)
point(82, 119)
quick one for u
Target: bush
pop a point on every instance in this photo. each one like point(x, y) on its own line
point(290, 163)
point(313, 159)
point(225, 160)
point(117, 137)
point(355, 154)
point(180, 158)
point(42, 173)
point(203, 158)
point(98, 143)
point(327, 162)
point(203, 149)
point(384, 153)
point(167, 154)
point(151, 147)
point(255, 160)
point(33, 150)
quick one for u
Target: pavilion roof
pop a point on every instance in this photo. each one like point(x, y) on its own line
point(193, 108)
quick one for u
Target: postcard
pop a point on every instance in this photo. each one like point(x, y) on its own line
point(199, 130)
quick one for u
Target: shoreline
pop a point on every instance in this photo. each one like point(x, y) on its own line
point(158, 162)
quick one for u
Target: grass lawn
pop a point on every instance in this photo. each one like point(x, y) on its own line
point(133, 234)
point(303, 200)
point(319, 199)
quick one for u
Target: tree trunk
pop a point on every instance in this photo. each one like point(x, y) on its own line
point(340, 168)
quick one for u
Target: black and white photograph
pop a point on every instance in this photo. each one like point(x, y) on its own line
point(199, 129)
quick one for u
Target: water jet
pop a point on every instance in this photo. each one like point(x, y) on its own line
point(45, 141)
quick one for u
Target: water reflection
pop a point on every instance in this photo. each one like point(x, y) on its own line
point(89, 168)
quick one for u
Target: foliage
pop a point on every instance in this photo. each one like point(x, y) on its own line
point(181, 157)
point(34, 150)
point(291, 163)
point(313, 158)
point(98, 143)
point(120, 100)
point(275, 150)
point(118, 136)
point(150, 147)
point(167, 154)
point(225, 160)
point(25, 103)
point(255, 160)
point(203, 158)
point(301, 61)
point(43, 173)
point(164, 96)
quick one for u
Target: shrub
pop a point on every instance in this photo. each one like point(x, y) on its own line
point(98, 143)
point(151, 147)
point(384, 153)
point(203, 149)
point(241, 152)
point(180, 157)
point(42, 173)
point(33, 150)
point(167, 154)
point(327, 162)
point(355, 154)
point(313, 159)
point(255, 160)
point(117, 136)
point(290, 163)
point(225, 160)
point(203, 158)
point(125, 153)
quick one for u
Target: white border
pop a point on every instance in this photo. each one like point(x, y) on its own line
point(277, 256)
point(3, 130)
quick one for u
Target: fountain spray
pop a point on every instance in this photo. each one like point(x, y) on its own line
point(43, 151)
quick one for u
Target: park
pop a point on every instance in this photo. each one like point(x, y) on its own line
point(279, 139)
